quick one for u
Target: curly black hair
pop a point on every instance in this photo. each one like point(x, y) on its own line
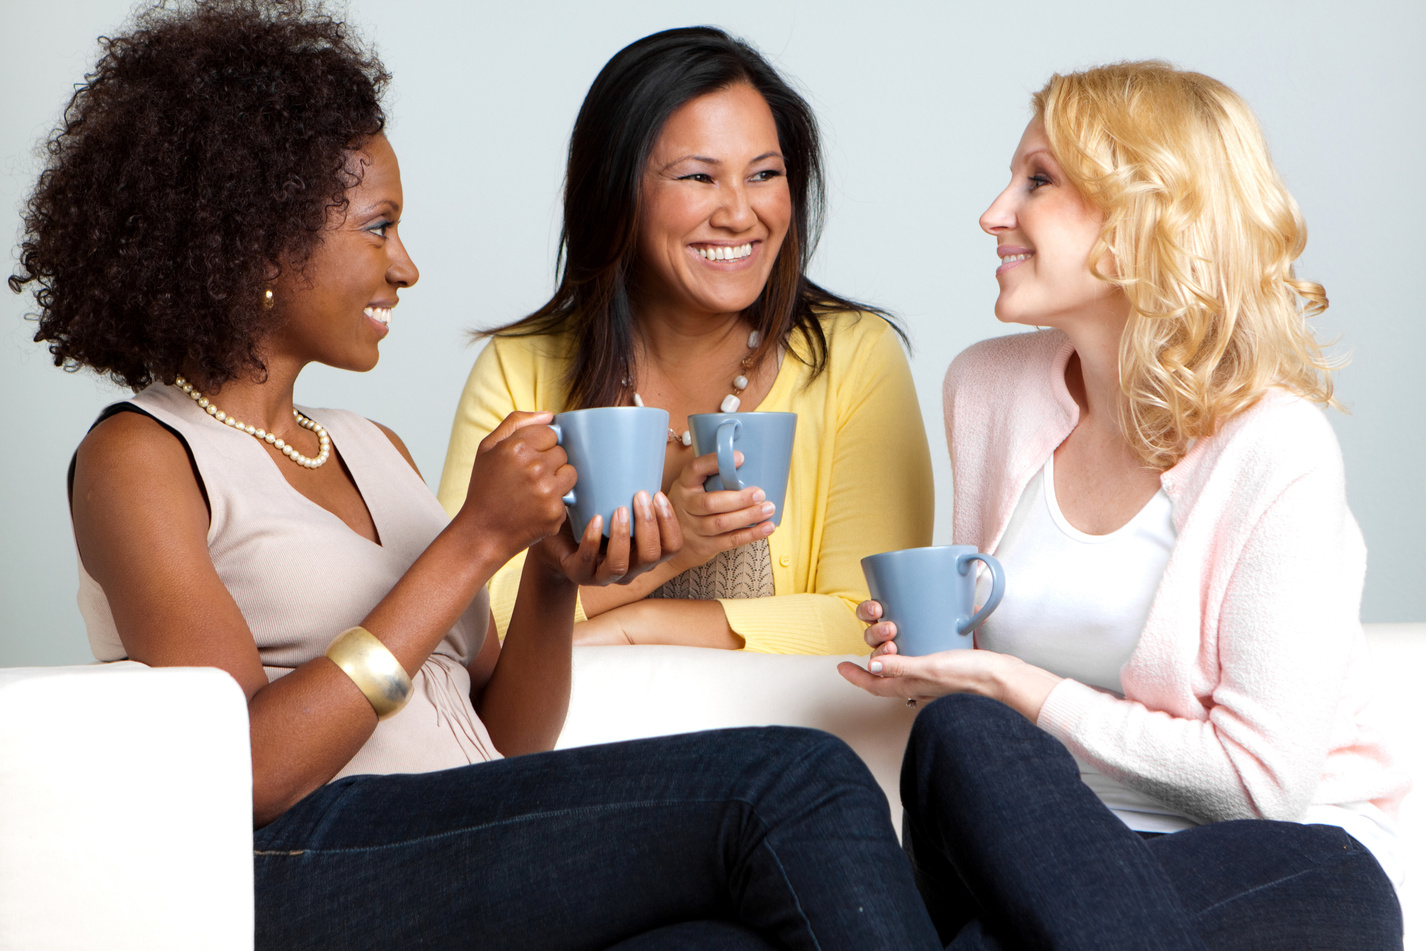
point(198, 160)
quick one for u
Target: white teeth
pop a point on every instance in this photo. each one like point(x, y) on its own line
point(382, 314)
point(724, 253)
point(1009, 258)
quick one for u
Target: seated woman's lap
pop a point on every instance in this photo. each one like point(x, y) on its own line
point(997, 818)
point(1260, 885)
point(588, 847)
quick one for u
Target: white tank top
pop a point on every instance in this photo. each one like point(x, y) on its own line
point(1075, 605)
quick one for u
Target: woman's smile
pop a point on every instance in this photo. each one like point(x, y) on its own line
point(1051, 281)
point(381, 317)
point(726, 254)
point(1010, 256)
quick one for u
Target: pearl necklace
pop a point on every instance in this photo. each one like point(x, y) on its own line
point(324, 442)
point(730, 403)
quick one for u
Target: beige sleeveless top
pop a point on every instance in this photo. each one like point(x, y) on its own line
point(300, 576)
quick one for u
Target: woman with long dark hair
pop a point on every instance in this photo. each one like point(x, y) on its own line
point(692, 205)
point(220, 209)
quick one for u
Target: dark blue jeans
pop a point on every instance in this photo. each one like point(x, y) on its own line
point(736, 839)
point(1011, 850)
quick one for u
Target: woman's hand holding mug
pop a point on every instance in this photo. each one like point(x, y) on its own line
point(715, 521)
point(522, 464)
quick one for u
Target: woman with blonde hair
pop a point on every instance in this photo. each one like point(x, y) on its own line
point(1164, 738)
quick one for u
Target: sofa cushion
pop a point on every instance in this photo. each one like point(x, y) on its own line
point(628, 693)
point(127, 818)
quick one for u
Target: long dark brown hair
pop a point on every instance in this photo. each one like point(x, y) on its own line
point(627, 106)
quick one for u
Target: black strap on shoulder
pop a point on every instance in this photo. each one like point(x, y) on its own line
point(114, 409)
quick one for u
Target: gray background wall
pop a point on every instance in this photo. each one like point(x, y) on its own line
point(921, 104)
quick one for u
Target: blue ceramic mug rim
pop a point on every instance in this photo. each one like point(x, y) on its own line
point(908, 552)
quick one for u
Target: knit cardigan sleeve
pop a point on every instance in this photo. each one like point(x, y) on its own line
point(1232, 695)
point(1236, 689)
point(1248, 693)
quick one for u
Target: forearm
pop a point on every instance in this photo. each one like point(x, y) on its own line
point(525, 701)
point(1022, 687)
point(808, 623)
point(597, 600)
point(433, 593)
point(308, 724)
point(662, 621)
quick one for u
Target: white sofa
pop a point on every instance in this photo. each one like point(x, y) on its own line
point(125, 808)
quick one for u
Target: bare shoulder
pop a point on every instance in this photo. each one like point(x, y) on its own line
point(131, 476)
point(136, 451)
point(141, 522)
point(400, 446)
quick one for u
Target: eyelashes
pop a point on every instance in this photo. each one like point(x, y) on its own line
point(763, 175)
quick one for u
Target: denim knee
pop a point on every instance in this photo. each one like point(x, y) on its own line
point(801, 749)
point(976, 722)
point(967, 735)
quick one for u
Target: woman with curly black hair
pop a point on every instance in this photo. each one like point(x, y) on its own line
point(220, 209)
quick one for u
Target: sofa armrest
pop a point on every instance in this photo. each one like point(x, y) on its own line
point(628, 693)
point(127, 809)
point(1398, 658)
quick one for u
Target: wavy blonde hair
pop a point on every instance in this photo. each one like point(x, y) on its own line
point(1202, 234)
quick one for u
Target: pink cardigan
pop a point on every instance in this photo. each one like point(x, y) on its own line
point(1247, 694)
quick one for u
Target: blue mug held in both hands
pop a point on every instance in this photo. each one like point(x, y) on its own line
point(617, 451)
point(929, 594)
point(764, 439)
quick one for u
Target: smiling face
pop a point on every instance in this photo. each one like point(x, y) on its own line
point(715, 206)
point(1044, 230)
point(337, 308)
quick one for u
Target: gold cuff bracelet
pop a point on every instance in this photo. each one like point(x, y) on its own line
point(373, 668)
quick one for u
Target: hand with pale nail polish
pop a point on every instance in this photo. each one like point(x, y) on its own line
point(715, 521)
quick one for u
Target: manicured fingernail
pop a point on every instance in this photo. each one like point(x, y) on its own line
point(664, 506)
point(768, 508)
point(874, 667)
point(759, 495)
point(621, 515)
point(768, 528)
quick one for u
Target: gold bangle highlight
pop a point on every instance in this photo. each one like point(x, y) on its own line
point(373, 668)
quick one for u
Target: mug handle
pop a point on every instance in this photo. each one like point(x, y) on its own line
point(997, 588)
point(727, 472)
point(559, 441)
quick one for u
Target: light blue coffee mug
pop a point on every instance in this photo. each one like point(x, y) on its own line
point(929, 594)
point(617, 451)
point(764, 439)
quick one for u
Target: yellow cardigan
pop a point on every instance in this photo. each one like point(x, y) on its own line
point(860, 481)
